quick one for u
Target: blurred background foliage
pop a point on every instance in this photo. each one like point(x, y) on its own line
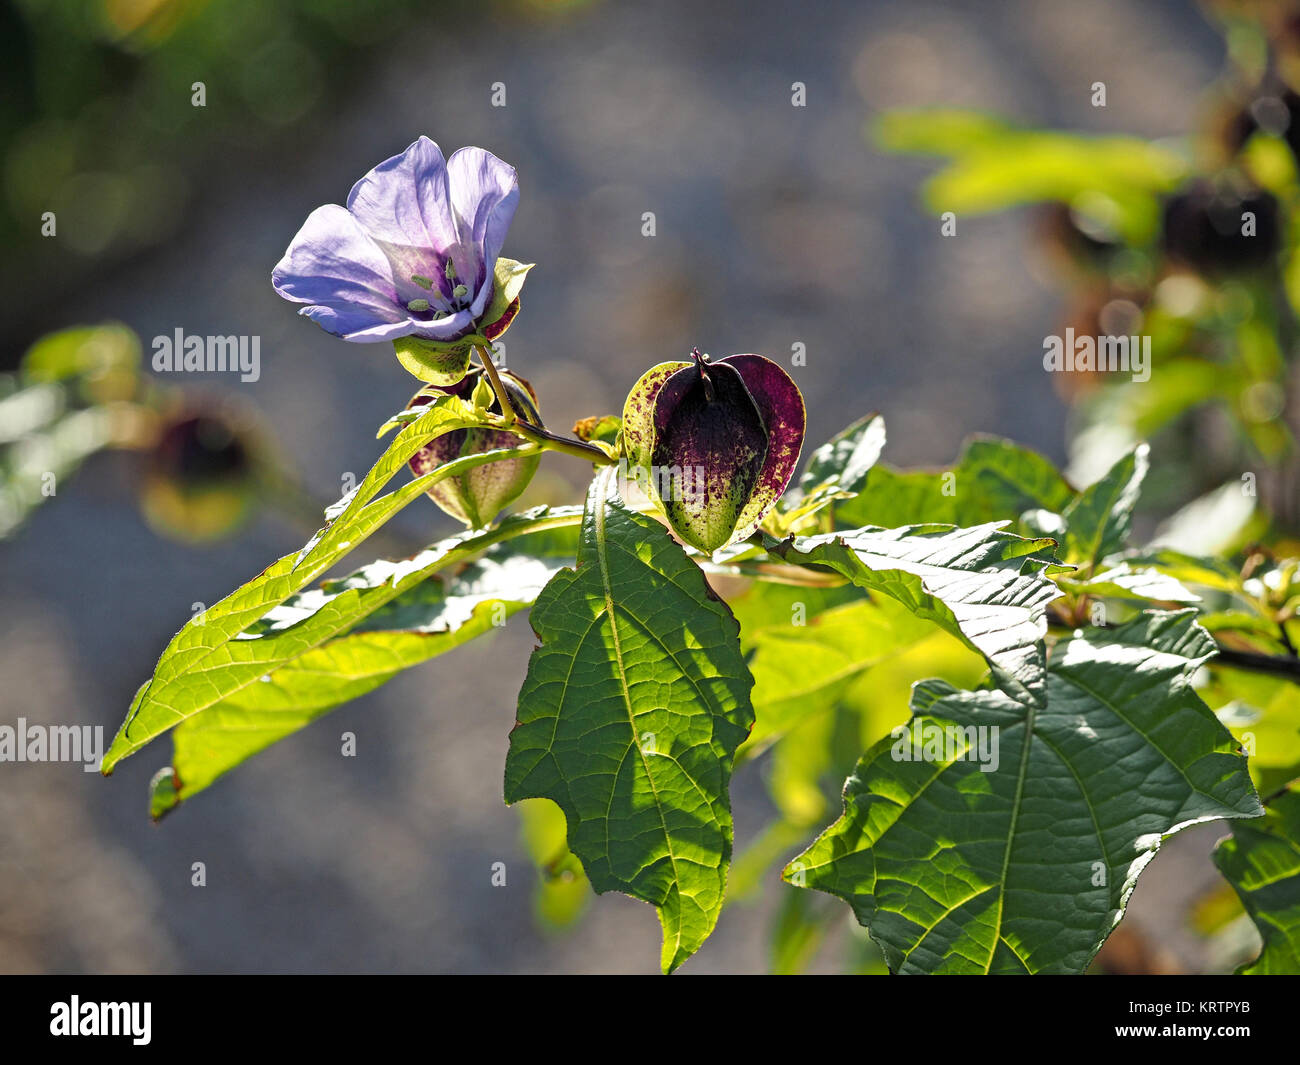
point(99, 125)
point(1148, 238)
point(801, 235)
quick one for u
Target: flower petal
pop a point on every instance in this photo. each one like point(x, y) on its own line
point(484, 195)
point(448, 328)
point(781, 404)
point(355, 325)
point(710, 443)
point(404, 201)
point(333, 265)
point(405, 205)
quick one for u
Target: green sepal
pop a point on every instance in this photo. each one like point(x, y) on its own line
point(445, 362)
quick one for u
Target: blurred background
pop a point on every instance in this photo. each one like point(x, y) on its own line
point(775, 225)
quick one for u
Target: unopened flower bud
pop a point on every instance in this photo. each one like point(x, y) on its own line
point(478, 495)
point(484, 396)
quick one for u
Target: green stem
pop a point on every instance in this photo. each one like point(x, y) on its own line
point(548, 440)
point(503, 397)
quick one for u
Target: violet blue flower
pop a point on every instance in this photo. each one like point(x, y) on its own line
point(414, 254)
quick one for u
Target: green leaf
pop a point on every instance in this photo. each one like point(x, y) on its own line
point(801, 773)
point(393, 615)
point(763, 606)
point(55, 451)
point(1189, 569)
point(1098, 519)
point(839, 468)
point(750, 871)
point(562, 891)
point(107, 354)
point(508, 283)
point(938, 131)
point(1215, 524)
point(1127, 581)
point(802, 668)
point(995, 166)
point(599, 429)
point(28, 410)
point(1028, 867)
point(442, 363)
point(630, 716)
point(993, 480)
point(1261, 860)
point(980, 584)
point(1263, 713)
point(205, 663)
point(798, 932)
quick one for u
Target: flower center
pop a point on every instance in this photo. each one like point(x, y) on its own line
point(439, 305)
point(434, 306)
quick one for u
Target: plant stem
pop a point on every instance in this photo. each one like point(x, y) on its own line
point(548, 440)
point(503, 398)
point(1286, 639)
point(1285, 667)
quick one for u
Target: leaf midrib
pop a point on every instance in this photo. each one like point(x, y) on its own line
point(602, 559)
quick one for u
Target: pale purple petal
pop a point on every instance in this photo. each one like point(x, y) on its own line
point(332, 264)
point(405, 205)
point(484, 194)
point(354, 324)
point(414, 215)
point(449, 328)
point(405, 200)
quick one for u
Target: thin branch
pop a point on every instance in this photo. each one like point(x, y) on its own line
point(503, 397)
point(538, 434)
point(1272, 665)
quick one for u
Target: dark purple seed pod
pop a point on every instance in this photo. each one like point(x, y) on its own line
point(201, 478)
point(714, 443)
point(1205, 229)
point(478, 495)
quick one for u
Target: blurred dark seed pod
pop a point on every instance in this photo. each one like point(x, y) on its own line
point(201, 478)
point(714, 443)
point(1206, 228)
point(1075, 242)
point(478, 495)
point(1271, 108)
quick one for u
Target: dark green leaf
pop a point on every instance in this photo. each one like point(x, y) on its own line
point(1098, 519)
point(393, 616)
point(839, 468)
point(1261, 860)
point(993, 480)
point(630, 716)
point(980, 584)
point(1028, 867)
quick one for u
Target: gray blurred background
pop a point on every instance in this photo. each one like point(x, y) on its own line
point(776, 225)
